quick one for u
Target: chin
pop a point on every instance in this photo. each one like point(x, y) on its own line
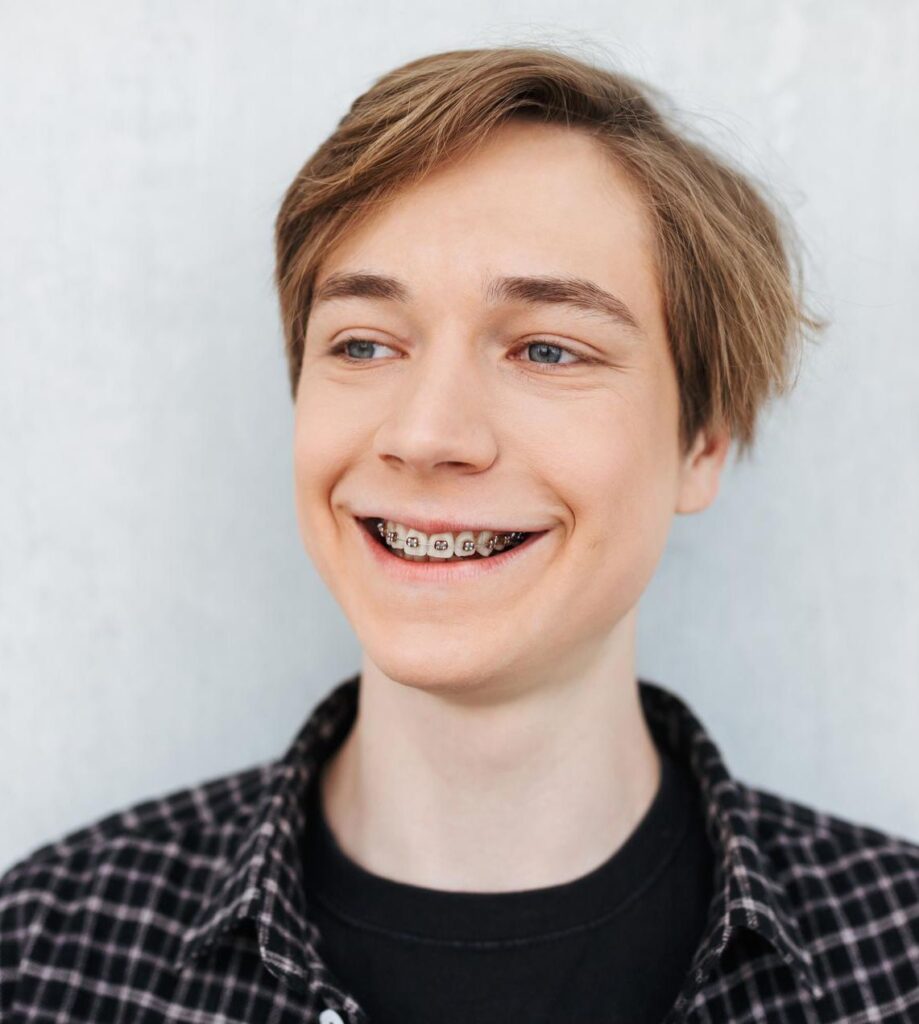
point(456, 669)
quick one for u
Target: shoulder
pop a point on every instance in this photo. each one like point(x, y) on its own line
point(852, 889)
point(183, 821)
point(153, 857)
point(811, 842)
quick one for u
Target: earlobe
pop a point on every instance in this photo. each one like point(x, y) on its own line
point(700, 472)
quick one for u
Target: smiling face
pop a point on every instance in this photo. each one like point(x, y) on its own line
point(458, 398)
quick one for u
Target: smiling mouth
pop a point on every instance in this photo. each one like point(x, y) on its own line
point(495, 544)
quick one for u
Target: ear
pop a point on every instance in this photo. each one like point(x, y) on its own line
point(700, 470)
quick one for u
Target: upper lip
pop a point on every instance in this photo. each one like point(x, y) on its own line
point(436, 525)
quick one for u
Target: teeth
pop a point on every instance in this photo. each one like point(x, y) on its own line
point(417, 546)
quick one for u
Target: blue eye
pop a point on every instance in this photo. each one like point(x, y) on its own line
point(550, 348)
point(362, 343)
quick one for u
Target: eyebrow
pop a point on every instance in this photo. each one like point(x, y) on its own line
point(576, 292)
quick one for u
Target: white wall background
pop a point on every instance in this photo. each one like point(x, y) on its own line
point(159, 621)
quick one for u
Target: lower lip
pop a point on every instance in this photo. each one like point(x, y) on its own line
point(448, 571)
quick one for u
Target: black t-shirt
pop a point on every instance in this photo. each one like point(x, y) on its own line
point(612, 945)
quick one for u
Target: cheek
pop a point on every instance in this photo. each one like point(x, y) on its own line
point(617, 482)
point(314, 466)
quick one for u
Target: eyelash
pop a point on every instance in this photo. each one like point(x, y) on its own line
point(339, 351)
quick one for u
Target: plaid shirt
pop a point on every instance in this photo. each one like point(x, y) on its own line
point(190, 908)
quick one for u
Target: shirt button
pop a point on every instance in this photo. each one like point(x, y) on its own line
point(330, 1017)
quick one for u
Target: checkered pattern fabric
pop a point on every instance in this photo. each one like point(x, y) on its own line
point(190, 908)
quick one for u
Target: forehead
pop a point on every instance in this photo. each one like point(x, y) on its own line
point(533, 199)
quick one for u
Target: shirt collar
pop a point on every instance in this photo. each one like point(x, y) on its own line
point(261, 882)
point(747, 892)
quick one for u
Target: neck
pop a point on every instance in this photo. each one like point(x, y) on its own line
point(528, 792)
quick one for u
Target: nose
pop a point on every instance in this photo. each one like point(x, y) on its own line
point(441, 411)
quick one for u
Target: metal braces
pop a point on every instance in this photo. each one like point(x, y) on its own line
point(441, 545)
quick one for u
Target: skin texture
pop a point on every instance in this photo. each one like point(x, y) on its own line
point(499, 743)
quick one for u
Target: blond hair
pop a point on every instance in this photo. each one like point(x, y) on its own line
point(727, 259)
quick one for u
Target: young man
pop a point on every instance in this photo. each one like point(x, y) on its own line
point(525, 318)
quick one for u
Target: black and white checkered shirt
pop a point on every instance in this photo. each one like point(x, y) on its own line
point(190, 908)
